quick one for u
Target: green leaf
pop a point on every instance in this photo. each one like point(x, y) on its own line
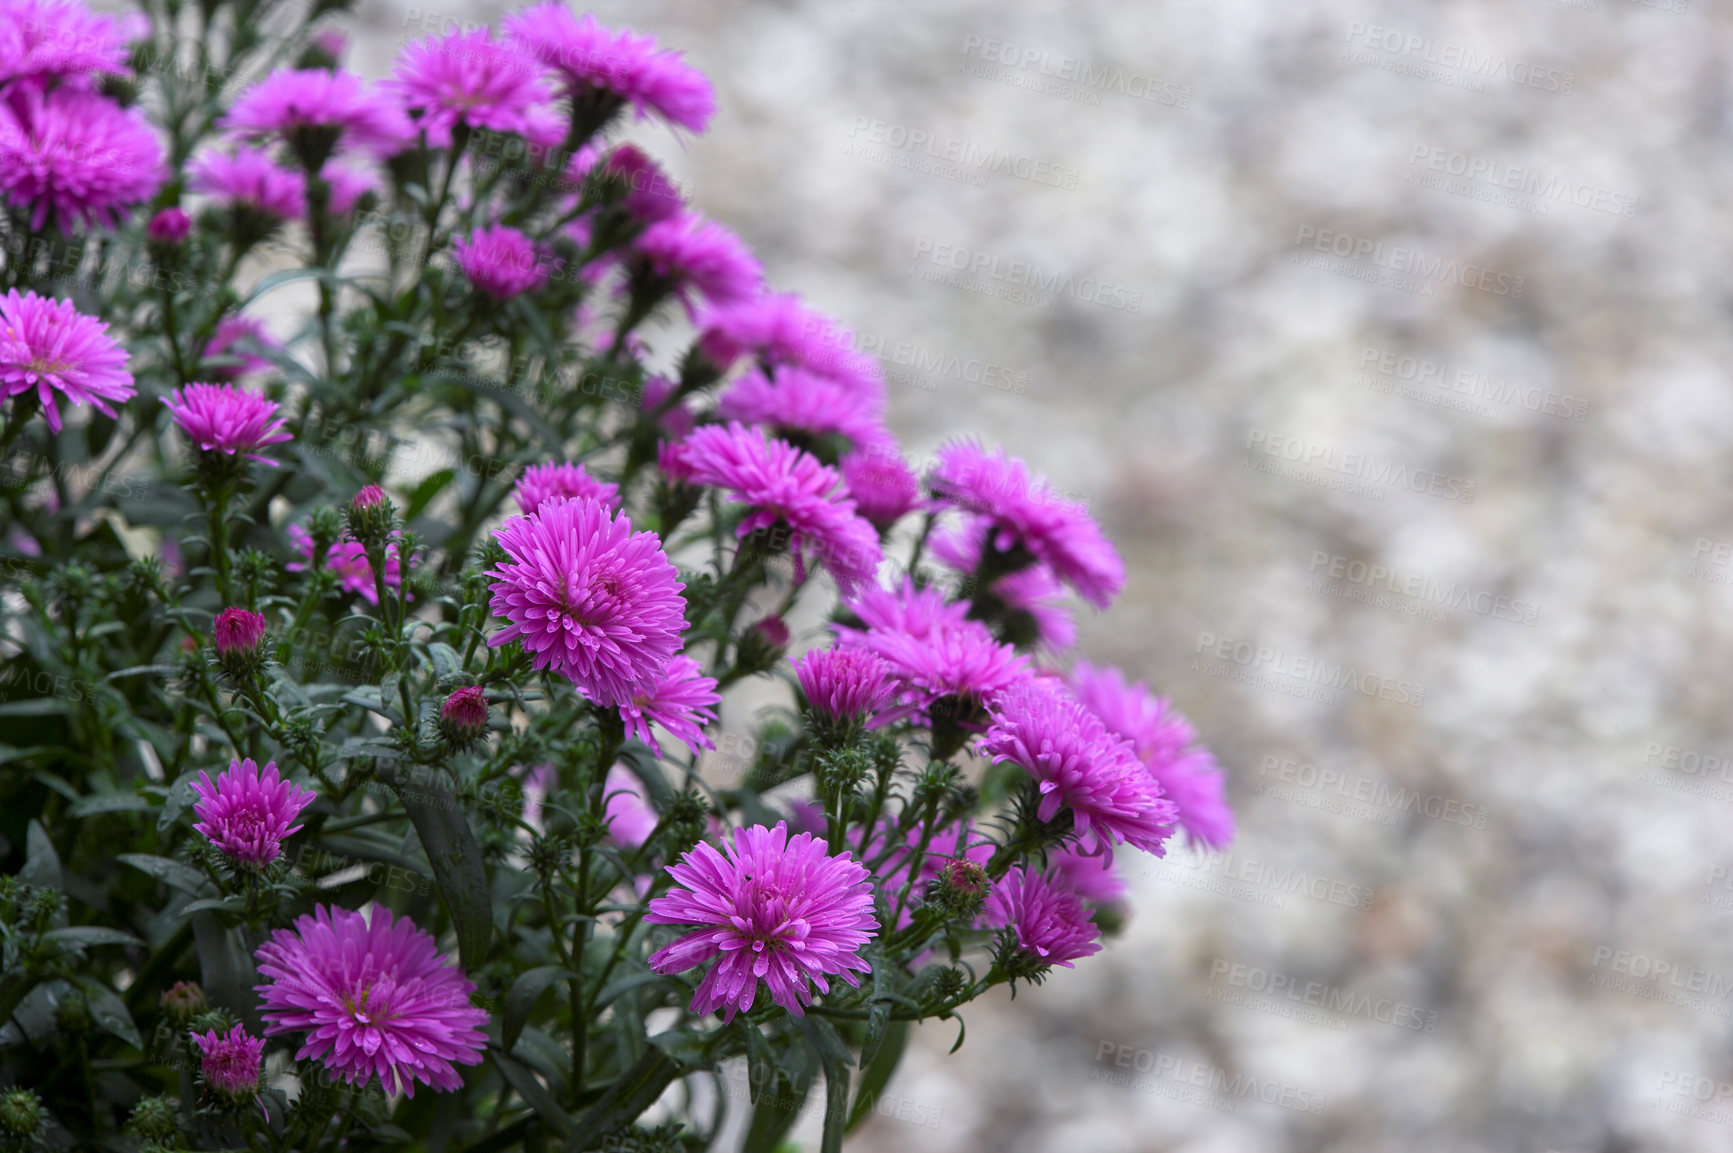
point(42, 863)
point(775, 1113)
point(532, 1091)
point(82, 936)
point(455, 857)
point(226, 968)
point(179, 799)
point(627, 1097)
point(445, 660)
point(109, 1013)
point(110, 803)
point(834, 1057)
point(39, 707)
point(877, 1070)
point(174, 874)
point(521, 998)
point(626, 984)
point(427, 491)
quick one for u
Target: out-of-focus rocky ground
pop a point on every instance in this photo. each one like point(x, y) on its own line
point(1554, 843)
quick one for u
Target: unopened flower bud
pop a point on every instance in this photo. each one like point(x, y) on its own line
point(960, 889)
point(182, 1002)
point(240, 635)
point(463, 717)
point(761, 645)
point(154, 1118)
point(371, 515)
point(21, 1112)
point(170, 226)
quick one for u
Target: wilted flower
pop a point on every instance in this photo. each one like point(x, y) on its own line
point(246, 813)
point(375, 998)
point(771, 908)
point(47, 347)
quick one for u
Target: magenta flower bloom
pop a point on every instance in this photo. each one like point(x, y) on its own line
point(1019, 509)
point(348, 559)
point(683, 701)
point(543, 482)
point(780, 328)
point(883, 486)
point(246, 813)
point(170, 226)
point(470, 78)
point(238, 633)
point(348, 185)
point(677, 419)
point(315, 111)
point(1078, 764)
point(501, 262)
point(589, 598)
point(49, 347)
point(1167, 745)
point(699, 257)
point(1094, 878)
point(631, 817)
point(231, 1065)
point(771, 908)
point(249, 179)
point(960, 659)
point(650, 195)
point(76, 156)
point(793, 402)
point(375, 998)
point(784, 485)
point(629, 67)
point(1034, 591)
point(1050, 922)
point(916, 612)
point(43, 40)
point(843, 685)
point(227, 418)
point(233, 350)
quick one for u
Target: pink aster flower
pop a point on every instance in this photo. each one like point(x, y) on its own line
point(650, 195)
point(541, 482)
point(1094, 878)
point(1033, 591)
point(770, 908)
point(49, 39)
point(631, 817)
point(314, 111)
point(677, 419)
point(1048, 919)
point(249, 179)
point(375, 998)
point(959, 660)
point(917, 612)
point(234, 348)
point(699, 257)
point(501, 261)
point(683, 701)
point(786, 486)
point(589, 598)
point(780, 328)
point(1167, 745)
point(238, 633)
point(227, 418)
point(1078, 764)
point(348, 559)
point(630, 68)
point(246, 813)
point(1018, 509)
point(231, 1065)
point(49, 347)
point(170, 226)
point(348, 185)
point(76, 156)
point(843, 685)
point(470, 78)
point(883, 486)
point(795, 403)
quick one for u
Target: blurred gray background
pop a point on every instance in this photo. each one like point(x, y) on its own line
point(1388, 341)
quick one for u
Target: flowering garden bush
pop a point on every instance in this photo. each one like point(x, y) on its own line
point(363, 671)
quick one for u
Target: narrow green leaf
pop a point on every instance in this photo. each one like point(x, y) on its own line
point(42, 863)
point(532, 1091)
point(109, 1013)
point(110, 803)
point(627, 1097)
point(426, 492)
point(87, 935)
point(179, 799)
point(521, 998)
point(455, 857)
point(877, 1070)
point(835, 1059)
point(174, 874)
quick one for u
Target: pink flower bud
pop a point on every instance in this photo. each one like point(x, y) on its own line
point(170, 226)
point(463, 717)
